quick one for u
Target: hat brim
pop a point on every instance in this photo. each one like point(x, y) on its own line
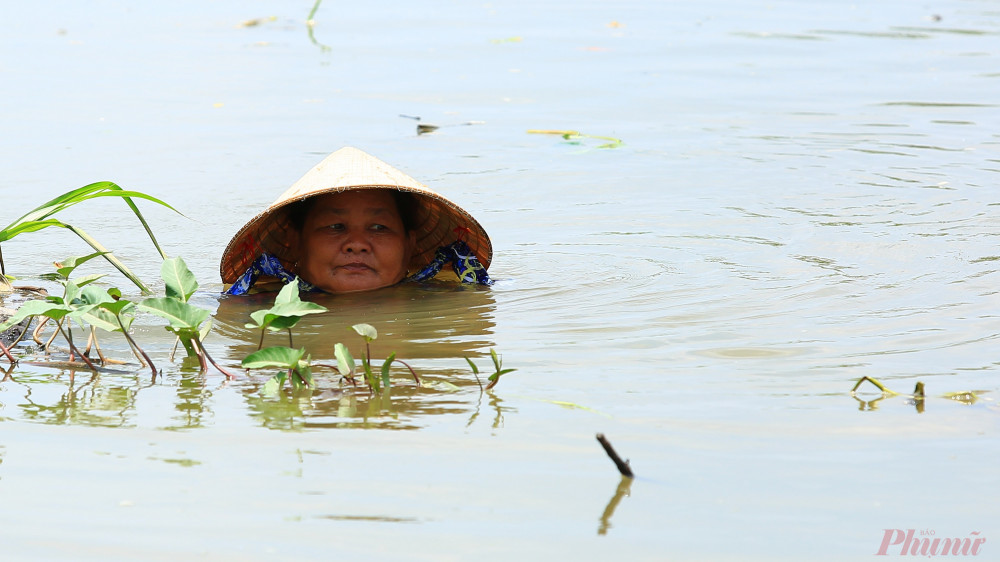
point(439, 221)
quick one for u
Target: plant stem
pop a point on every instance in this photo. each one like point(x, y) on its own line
point(260, 344)
point(203, 352)
point(412, 372)
point(73, 349)
point(111, 258)
point(7, 354)
point(135, 346)
point(200, 353)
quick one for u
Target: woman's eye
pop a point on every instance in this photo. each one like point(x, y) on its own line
point(336, 226)
point(379, 227)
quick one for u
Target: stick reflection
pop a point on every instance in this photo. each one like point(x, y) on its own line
point(624, 489)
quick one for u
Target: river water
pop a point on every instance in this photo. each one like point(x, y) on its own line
point(804, 194)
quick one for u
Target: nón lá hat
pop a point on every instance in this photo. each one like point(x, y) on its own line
point(439, 221)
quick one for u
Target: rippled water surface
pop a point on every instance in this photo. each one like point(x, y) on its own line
point(805, 193)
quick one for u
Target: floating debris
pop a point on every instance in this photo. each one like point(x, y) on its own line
point(576, 137)
point(257, 21)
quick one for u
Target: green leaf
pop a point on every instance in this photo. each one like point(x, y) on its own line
point(278, 356)
point(65, 267)
point(181, 315)
point(88, 279)
point(366, 330)
point(47, 308)
point(475, 369)
point(273, 385)
point(179, 280)
point(288, 309)
point(296, 308)
point(204, 330)
point(118, 307)
point(72, 293)
point(345, 361)
point(303, 374)
point(288, 293)
point(385, 368)
point(101, 318)
point(497, 362)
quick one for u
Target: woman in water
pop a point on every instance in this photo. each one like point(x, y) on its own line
point(354, 223)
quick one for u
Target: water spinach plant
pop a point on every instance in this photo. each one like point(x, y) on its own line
point(186, 321)
point(85, 304)
point(498, 366)
point(288, 309)
point(296, 364)
point(41, 217)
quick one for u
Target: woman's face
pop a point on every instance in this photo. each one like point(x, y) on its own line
point(354, 241)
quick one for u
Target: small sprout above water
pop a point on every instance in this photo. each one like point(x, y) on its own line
point(288, 309)
point(917, 398)
point(497, 365)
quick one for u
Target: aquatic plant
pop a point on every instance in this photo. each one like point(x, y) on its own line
point(294, 362)
point(40, 218)
point(916, 398)
point(187, 322)
point(375, 384)
point(288, 309)
point(71, 305)
point(497, 365)
point(112, 313)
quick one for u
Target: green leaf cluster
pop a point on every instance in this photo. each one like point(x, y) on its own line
point(40, 218)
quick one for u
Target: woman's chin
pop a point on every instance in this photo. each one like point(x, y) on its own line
point(356, 284)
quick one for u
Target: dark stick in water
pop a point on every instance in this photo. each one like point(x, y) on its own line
point(623, 466)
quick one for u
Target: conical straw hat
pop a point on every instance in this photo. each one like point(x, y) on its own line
point(439, 221)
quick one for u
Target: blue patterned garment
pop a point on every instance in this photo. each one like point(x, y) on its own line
point(463, 262)
point(268, 265)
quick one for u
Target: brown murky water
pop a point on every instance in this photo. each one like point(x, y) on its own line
point(805, 194)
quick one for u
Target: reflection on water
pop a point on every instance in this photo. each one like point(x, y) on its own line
point(58, 397)
point(624, 489)
point(806, 194)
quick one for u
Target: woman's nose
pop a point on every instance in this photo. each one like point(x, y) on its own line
point(356, 243)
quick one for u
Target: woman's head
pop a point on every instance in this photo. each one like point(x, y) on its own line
point(353, 240)
point(429, 220)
